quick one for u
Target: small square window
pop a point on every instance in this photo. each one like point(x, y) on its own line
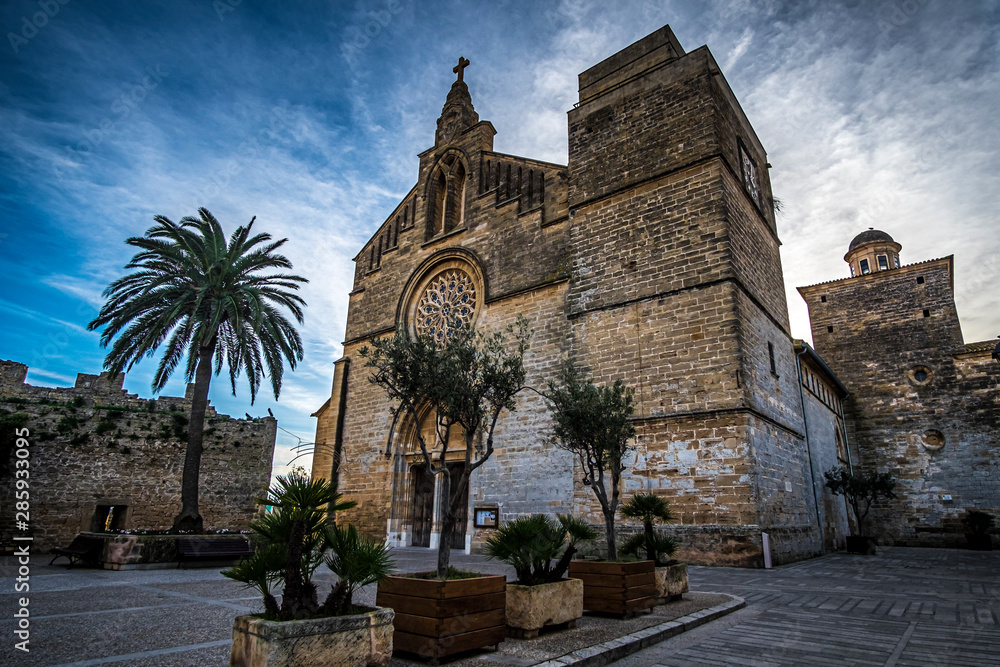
point(883, 263)
point(865, 268)
point(927, 313)
point(829, 329)
point(920, 280)
point(823, 299)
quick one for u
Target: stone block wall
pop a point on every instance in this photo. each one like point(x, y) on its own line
point(937, 436)
point(94, 444)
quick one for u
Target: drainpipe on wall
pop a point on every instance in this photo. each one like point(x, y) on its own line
point(805, 422)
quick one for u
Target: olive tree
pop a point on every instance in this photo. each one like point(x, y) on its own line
point(594, 423)
point(466, 382)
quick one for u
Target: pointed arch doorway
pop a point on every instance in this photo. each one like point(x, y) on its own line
point(418, 502)
point(426, 490)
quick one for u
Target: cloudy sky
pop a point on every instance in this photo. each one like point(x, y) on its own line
point(310, 115)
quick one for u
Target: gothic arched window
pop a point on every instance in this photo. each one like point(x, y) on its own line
point(446, 197)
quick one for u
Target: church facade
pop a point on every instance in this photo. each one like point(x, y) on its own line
point(652, 257)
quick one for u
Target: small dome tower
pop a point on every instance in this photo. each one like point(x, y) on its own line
point(871, 251)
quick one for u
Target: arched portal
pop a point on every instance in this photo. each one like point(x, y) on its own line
point(418, 502)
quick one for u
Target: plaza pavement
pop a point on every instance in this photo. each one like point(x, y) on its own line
point(902, 607)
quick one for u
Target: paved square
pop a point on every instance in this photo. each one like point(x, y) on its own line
point(919, 607)
point(901, 607)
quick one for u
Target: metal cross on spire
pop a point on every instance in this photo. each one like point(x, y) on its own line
point(460, 68)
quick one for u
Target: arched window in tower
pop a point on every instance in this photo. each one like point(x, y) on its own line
point(446, 197)
point(439, 194)
point(456, 200)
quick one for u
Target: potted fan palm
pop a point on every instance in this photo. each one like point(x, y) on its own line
point(541, 596)
point(293, 540)
point(671, 575)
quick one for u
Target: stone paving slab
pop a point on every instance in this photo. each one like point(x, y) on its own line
point(598, 640)
point(905, 606)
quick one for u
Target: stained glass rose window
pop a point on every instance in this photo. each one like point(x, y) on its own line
point(448, 303)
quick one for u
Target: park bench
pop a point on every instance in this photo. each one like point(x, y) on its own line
point(82, 549)
point(209, 549)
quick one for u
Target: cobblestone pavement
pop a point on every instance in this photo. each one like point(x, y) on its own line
point(904, 606)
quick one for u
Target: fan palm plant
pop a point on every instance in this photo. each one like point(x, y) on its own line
point(357, 560)
point(294, 539)
point(529, 544)
point(208, 299)
point(649, 508)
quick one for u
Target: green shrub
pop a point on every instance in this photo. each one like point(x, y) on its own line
point(649, 508)
point(529, 544)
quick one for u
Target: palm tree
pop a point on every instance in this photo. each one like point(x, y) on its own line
point(213, 300)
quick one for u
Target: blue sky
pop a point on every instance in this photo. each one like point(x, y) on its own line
point(310, 116)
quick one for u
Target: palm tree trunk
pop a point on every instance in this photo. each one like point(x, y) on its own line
point(190, 517)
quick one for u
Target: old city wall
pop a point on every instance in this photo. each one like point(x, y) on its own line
point(94, 444)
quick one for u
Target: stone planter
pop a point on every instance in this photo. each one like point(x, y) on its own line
point(860, 544)
point(437, 618)
point(359, 640)
point(671, 582)
point(530, 608)
point(616, 588)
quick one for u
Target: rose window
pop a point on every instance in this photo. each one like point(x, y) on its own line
point(448, 303)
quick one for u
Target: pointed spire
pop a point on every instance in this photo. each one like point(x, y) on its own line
point(458, 113)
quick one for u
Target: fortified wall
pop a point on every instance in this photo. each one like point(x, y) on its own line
point(98, 450)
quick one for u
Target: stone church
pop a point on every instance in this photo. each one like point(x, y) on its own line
point(651, 256)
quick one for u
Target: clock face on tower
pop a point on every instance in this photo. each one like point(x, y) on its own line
point(750, 179)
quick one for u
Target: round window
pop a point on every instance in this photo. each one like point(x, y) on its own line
point(933, 440)
point(920, 374)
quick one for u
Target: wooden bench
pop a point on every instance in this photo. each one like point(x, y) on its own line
point(82, 549)
point(209, 549)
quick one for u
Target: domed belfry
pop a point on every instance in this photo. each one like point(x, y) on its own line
point(651, 256)
point(872, 250)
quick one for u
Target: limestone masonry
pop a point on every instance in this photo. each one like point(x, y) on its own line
point(95, 447)
point(651, 256)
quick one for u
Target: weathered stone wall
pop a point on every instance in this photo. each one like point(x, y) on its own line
point(876, 331)
point(94, 444)
point(826, 452)
point(651, 263)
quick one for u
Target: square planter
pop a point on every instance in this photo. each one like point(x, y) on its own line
point(359, 640)
point(671, 582)
point(530, 608)
point(616, 588)
point(437, 618)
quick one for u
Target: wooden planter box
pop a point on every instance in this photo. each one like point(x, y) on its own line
point(671, 582)
point(616, 588)
point(530, 608)
point(358, 640)
point(439, 618)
